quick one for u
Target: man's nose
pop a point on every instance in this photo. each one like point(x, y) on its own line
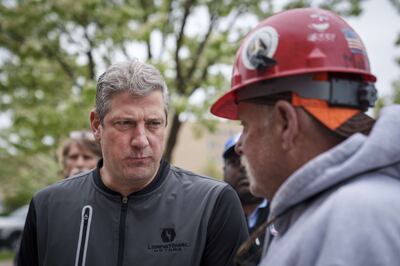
point(139, 137)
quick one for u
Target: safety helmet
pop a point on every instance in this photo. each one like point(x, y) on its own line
point(310, 52)
point(230, 145)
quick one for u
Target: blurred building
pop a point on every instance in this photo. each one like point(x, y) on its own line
point(202, 152)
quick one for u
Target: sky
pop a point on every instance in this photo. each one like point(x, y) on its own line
point(378, 27)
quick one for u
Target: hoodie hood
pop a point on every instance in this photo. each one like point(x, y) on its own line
point(359, 154)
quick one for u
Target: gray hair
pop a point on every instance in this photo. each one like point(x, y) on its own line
point(134, 77)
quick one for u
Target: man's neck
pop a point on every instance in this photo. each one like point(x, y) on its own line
point(124, 187)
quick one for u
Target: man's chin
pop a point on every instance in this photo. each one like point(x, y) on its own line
point(255, 192)
point(137, 172)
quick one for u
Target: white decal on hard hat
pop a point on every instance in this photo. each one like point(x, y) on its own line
point(319, 22)
point(321, 37)
point(263, 41)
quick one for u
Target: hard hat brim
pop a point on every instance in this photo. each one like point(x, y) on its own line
point(226, 106)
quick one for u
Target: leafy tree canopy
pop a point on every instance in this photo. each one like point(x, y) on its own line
point(51, 52)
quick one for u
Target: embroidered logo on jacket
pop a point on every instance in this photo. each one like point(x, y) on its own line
point(168, 235)
point(168, 245)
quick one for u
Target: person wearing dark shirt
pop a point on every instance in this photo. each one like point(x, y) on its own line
point(134, 208)
point(255, 208)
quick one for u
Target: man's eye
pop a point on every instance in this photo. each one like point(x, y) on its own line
point(154, 123)
point(123, 124)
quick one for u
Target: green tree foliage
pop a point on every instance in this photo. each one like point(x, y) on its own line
point(396, 84)
point(395, 96)
point(51, 52)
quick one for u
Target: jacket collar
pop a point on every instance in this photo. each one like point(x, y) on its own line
point(157, 181)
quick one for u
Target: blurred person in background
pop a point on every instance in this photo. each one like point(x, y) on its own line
point(255, 208)
point(134, 208)
point(79, 153)
point(301, 86)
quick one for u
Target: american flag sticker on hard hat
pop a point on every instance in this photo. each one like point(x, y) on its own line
point(353, 41)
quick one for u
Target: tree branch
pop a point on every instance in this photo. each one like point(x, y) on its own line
point(149, 53)
point(179, 79)
point(203, 77)
point(164, 30)
point(145, 18)
point(124, 51)
point(89, 54)
point(64, 65)
point(106, 59)
point(172, 137)
point(201, 46)
point(50, 53)
point(239, 12)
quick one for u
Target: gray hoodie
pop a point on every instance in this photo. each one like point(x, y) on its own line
point(342, 207)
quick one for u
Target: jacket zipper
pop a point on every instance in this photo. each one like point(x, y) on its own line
point(121, 244)
point(84, 232)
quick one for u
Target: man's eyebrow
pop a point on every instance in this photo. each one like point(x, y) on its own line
point(155, 118)
point(122, 118)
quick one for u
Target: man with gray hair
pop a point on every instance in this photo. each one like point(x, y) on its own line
point(330, 171)
point(134, 208)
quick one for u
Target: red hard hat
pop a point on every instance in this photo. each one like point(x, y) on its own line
point(291, 43)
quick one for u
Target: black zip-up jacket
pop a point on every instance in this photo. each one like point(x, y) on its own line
point(179, 219)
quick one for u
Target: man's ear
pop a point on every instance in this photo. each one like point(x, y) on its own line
point(95, 125)
point(289, 120)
